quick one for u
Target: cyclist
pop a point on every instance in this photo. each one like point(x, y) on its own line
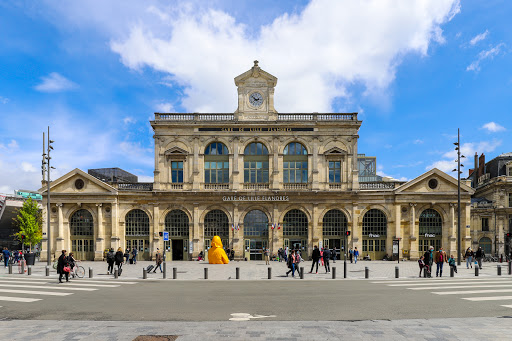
point(72, 262)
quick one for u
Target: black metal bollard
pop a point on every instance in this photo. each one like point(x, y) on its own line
point(144, 273)
point(509, 268)
point(397, 274)
point(174, 273)
point(333, 270)
point(164, 274)
point(47, 271)
point(10, 269)
point(452, 271)
point(90, 273)
point(344, 269)
point(116, 273)
point(476, 270)
point(499, 270)
point(301, 272)
point(269, 272)
point(237, 273)
point(205, 273)
point(29, 270)
point(366, 272)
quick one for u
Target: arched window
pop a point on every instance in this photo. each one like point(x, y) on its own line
point(486, 245)
point(216, 223)
point(295, 224)
point(255, 224)
point(176, 223)
point(256, 163)
point(295, 163)
point(216, 163)
point(334, 223)
point(137, 223)
point(81, 223)
point(430, 222)
point(375, 222)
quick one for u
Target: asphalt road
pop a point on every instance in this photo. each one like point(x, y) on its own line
point(299, 300)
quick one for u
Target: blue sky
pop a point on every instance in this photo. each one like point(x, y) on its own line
point(96, 71)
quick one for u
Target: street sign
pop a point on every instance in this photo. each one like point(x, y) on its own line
point(166, 236)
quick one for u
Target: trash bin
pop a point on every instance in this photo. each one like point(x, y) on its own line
point(30, 258)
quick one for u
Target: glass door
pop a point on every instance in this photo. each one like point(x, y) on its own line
point(83, 249)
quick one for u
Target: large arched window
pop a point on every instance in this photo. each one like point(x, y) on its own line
point(137, 223)
point(176, 223)
point(256, 163)
point(375, 223)
point(295, 224)
point(256, 224)
point(334, 224)
point(430, 222)
point(216, 163)
point(295, 163)
point(82, 224)
point(216, 223)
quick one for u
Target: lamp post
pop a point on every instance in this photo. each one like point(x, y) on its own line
point(459, 156)
point(46, 168)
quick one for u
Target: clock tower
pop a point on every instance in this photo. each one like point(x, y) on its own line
point(255, 95)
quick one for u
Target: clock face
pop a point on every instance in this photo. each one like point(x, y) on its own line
point(256, 99)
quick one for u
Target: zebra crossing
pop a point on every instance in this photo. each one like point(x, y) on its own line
point(29, 289)
point(468, 289)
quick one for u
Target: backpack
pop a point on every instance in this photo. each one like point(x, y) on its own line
point(110, 257)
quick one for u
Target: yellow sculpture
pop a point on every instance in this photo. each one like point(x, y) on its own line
point(216, 254)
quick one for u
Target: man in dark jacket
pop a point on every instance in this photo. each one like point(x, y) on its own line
point(111, 256)
point(327, 256)
point(316, 257)
point(479, 255)
point(61, 263)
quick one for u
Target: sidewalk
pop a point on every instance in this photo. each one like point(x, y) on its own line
point(257, 270)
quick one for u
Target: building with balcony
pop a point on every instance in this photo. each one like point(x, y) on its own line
point(258, 179)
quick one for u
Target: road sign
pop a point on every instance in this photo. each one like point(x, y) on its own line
point(166, 236)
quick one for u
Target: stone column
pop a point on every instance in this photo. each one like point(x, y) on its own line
point(453, 230)
point(60, 245)
point(356, 233)
point(198, 235)
point(235, 235)
point(236, 160)
point(100, 233)
point(355, 170)
point(413, 248)
point(465, 218)
point(156, 172)
point(315, 183)
point(313, 236)
point(195, 178)
point(116, 233)
point(275, 164)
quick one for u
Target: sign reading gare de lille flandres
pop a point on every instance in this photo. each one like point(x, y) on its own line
point(255, 198)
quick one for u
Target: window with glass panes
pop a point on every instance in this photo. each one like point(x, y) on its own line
point(295, 163)
point(334, 224)
point(430, 222)
point(176, 223)
point(485, 224)
point(137, 223)
point(334, 171)
point(177, 171)
point(216, 163)
point(255, 224)
point(256, 163)
point(295, 224)
point(375, 222)
point(510, 199)
point(216, 223)
point(81, 223)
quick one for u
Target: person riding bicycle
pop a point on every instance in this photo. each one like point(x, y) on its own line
point(71, 260)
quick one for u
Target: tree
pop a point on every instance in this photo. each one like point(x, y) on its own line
point(29, 221)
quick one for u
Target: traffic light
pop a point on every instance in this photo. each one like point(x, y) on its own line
point(507, 235)
point(347, 233)
point(22, 237)
point(160, 234)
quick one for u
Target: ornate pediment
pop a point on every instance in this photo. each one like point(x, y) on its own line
point(175, 151)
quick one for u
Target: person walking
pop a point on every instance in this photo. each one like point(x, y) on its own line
point(479, 255)
point(111, 258)
point(62, 263)
point(421, 263)
point(118, 259)
point(134, 255)
point(6, 255)
point(127, 255)
point(326, 257)
point(267, 256)
point(356, 254)
point(322, 256)
point(292, 263)
point(350, 254)
point(158, 259)
point(334, 255)
point(316, 256)
point(451, 262)
point(440, 259)
point(468, 256)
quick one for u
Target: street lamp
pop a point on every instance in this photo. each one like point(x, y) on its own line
point(46, 168)
point(457, 148)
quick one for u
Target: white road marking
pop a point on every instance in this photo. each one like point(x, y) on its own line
point(470, 292)
point(491, 298)
point(506, 306)
point(90, 285)
point(19, 299)
point(49, 293)
point(21, 282)
point(442, 280)
point(105, 281)
point(247, 317)
point(469, 286)
point(442, 283)
point(65, 287)
point(28, 278)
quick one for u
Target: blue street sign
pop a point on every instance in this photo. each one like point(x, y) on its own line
point(166, 236)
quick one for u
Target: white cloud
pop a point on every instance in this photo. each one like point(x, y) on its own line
point(13, 145)
point(127, 120)
point(4, 100)
point(418, 141)
point(316, 53)
point(483, 55)
point(55, 82)
point(493, 127)
point(164, 107)
point(145, 178)
point(479, 37)
point(27, 167)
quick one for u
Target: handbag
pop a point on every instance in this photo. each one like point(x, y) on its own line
point(67, 269)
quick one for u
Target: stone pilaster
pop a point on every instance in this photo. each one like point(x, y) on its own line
point(413, 248)
point(60, 245)
point(100, 235)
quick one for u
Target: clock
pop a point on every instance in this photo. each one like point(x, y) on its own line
point(256, 99)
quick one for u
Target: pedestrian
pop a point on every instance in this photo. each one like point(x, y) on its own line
point(350, 254)
point(468, 256)
point(322, 256)
point(16, 257)
point(451, 262)
point(63, 266)
point(440, 259)
point(292, 263)
point(421, 263)
point(356, 254)
point(316, 256)
point(72, 262)
point(326, 257)
point(232, 255)
point(479, 255)
point(267, 256)
point(6, 255)
point(158, 259)
point(127, 255)
point(134, 255)
point(118, 259)
point(200, 256)
point(334, 255)
point(111, 257)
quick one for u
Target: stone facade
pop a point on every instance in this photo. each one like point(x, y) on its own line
point(258, 178)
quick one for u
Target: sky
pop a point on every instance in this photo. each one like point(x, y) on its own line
point(96, 72)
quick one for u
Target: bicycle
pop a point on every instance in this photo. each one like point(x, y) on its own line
point(77, 271)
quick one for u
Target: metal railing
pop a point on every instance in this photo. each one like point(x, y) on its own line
point(378, 185)
point(295, 186)
point(139, 186)
point(256, 186)
point(216, 186)
point(280, 117)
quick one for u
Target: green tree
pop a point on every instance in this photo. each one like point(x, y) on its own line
point(29, 222)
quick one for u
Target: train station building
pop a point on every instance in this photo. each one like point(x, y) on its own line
point(258, 179)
